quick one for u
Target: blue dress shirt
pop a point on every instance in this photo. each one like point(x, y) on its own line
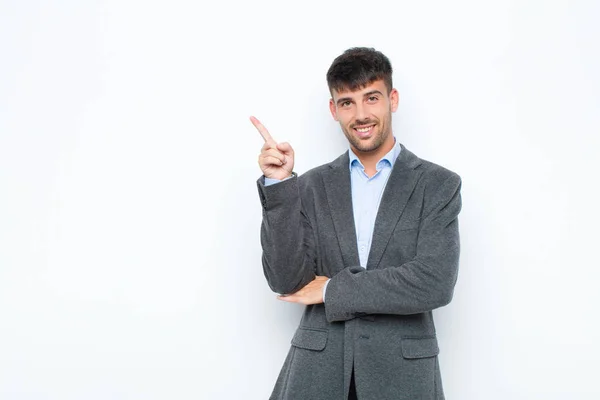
point(366, 196)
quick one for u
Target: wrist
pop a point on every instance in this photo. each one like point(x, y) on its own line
point(281, 177)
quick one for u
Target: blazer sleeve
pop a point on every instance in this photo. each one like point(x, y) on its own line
point(424, 283)
point(286, 237)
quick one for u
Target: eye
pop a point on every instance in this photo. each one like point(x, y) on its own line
point(346, 104)
point(372, 99)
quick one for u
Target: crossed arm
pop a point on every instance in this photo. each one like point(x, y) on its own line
point(422, 284)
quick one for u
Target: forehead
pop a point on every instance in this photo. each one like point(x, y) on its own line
point(378, 85)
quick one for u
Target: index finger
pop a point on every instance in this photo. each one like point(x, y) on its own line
point(263, 131)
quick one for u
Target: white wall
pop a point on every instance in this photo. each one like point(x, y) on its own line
point(129, 217)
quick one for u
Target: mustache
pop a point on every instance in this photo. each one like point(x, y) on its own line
point(363, 122)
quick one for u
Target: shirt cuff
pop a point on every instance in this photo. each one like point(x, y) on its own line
point(325, 289)
point(271, 181)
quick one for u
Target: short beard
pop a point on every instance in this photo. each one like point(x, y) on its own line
point(385, 129)
point(367, 147)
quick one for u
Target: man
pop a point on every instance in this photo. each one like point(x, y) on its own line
point(369, 242)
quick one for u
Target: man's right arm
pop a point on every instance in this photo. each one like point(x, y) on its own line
point(286, 234)
point(286, 237)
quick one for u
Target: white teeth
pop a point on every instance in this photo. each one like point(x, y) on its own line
point(363, 130)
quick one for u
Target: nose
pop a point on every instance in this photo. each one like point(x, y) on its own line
point(361, 113)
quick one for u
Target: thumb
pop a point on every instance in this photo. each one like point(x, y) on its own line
point(285, 147)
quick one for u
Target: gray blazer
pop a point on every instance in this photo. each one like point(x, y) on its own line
point(377, 321)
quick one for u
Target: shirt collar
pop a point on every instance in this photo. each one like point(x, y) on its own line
point(390, 157)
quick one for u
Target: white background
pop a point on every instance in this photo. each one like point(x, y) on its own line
point(129, 216)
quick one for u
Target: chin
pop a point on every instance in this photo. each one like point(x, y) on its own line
point(367, 146)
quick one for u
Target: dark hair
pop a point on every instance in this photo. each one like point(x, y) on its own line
point(358, 67)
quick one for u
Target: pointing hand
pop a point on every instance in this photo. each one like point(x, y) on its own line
point(276, 160)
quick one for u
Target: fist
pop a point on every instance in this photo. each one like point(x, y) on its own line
point(276, 160)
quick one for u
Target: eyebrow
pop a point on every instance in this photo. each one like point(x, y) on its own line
point(372, 92)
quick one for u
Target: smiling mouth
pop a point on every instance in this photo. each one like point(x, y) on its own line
point(364, 131)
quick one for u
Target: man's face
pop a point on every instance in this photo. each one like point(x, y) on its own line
point(365, 115)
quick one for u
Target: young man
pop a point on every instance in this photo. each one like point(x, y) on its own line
point(369, 242)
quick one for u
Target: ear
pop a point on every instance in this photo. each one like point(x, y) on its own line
point(333, 109)
point(394, 99)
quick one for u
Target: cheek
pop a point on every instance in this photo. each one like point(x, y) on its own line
point(344, 117)
point(384, 115)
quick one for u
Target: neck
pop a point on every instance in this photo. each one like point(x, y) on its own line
point(370, 159)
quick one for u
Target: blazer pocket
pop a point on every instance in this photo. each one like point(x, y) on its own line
point(310, 338)
point(420, 347)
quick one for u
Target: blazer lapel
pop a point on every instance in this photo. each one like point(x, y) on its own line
point(339, 197)
point(398, 189)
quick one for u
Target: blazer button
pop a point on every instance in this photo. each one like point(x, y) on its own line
point(364, 336)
